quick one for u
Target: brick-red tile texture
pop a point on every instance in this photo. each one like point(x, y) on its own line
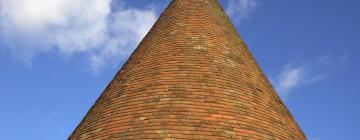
point(192, 77)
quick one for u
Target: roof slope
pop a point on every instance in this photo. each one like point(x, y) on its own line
point(192, 77)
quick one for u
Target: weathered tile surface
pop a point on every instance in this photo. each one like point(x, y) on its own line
point(192, 77)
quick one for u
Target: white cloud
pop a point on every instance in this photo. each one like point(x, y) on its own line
point(290, 78)
point(239, 9)
point(126, 28)
point(94, 28)
point(298, 74)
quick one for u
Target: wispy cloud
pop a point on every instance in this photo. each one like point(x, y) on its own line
point(294, 76)
point(239, 9)
point(289, 78)
point(300, 73)
point(315, 138)
point(99, 29)
point(344, 58)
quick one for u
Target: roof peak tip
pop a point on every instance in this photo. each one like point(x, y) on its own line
point(195, 0)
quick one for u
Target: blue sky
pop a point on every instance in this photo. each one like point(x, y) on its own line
point(56, 57)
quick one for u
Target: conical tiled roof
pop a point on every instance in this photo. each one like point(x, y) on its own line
point(192, 77)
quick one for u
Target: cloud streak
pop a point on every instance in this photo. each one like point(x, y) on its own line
point(98, 29)
point(289, 79)
point(297, 74)
point(240, 9)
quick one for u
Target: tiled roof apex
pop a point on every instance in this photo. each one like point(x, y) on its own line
point(191, 77)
